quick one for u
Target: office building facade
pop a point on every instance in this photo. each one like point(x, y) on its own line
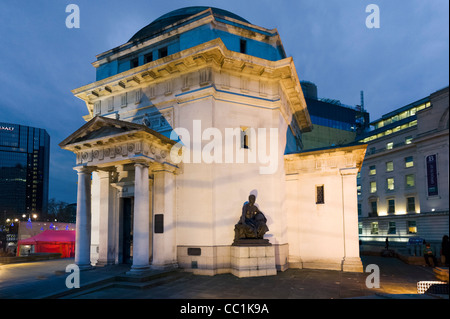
point(403, 184)
point(24, 171)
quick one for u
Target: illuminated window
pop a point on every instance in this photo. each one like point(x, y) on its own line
point(360, 228)
point(410, 180)
point(408, 140)
point(358, 189)
point(390, 145)
point(391, 206)
point(389, 166)
point(372, 170)
point(412, 227)
point(409, 161)
point(392, 228)
point(320, 198)
point(411, 204)
point(390, 183)
point(373, 187)
point(374, 228)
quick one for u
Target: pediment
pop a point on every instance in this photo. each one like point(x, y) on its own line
point(102, 128)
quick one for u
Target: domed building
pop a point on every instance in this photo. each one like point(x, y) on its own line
point(197, 111)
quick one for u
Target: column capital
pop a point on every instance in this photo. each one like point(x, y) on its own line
point(141, 163)
point(156, 167)
point(348, 171)
point(84, 169)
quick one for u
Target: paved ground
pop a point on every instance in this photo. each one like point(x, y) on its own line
point(46, 279)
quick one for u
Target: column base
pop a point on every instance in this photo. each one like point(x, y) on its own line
point(352, 264)
point(103, 263)
point(170, 266)
point(85, 266)
point(138, 270)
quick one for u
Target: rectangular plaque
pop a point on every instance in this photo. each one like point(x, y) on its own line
point(159, 223)
point(432, 175)
point(194, 251)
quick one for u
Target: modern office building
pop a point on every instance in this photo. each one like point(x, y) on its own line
point(335, 124)
point(24, 171)
point(403, 188)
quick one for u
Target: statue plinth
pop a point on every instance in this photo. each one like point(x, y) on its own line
point(251, 254)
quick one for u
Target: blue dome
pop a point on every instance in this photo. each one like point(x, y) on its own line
point(172, 17)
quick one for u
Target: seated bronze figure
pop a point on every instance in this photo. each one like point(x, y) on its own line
point(252, 223)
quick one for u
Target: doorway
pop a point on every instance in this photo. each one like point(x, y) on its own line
point(127, 230)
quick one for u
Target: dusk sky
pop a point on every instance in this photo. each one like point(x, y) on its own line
point(41, 60)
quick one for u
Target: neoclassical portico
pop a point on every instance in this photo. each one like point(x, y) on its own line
point(118, 160)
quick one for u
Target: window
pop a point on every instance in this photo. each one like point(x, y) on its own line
point(392, 229)
point(390, 183)
point(408, 140)
point(243, 46)
point(359, 209)
point(412, 227)
point(389, 166)
point(372, 170)
point(134, 63)
point(374, 228)
point(409, 161)
point(372, 150)
point(137, 96)
point(390, 145)
point(360, 228)
point(391, 206)
point(374, 208)
point(97, 107)
point(162, 52)
point(245, 132)
point(373, 187)
point(123, 100)
point(411, 204)
point(148, 57)
point(111, 104)
point(410, 180)
point(320, 199)
point(358, 190)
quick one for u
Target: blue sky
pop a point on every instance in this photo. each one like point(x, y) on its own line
point(41, 60)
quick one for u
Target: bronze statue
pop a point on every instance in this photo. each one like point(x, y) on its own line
point(252, 223)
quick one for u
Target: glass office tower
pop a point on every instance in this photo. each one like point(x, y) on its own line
point(24, 171)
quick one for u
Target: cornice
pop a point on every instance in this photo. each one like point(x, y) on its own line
point(210, 54)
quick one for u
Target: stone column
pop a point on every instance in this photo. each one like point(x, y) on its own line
point(164, 243)
point(83, 225)
point(351, 261)
point(106, 249)
point(141, 219)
